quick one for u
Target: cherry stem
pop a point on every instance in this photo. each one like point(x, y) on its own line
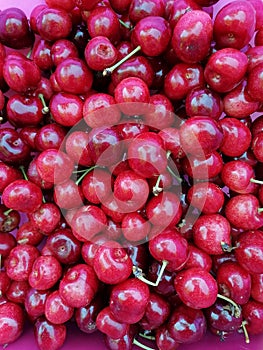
point(85, 173)
point(157, 189)
point(22, 241)
point(124, 24)
point(243, 325)
point(45, 108)
point(7, 212)
point(138, 273)
point(29, 53)
point(149, 337)
point(226, 247)
point(260, 210)
point(140, 345)
point(109, 70)
point(170, 170)
point(236, 306)
point(256, 181)
point(23, 172)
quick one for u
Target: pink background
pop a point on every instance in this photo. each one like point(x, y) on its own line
point(81, 341)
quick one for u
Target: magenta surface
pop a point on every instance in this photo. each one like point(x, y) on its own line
point(81, 341)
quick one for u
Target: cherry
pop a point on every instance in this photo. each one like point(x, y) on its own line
point(164, 340)
point(192, 46)
point(14, 150)
point(225, 69)
point(45, 273)
point(156, 313)
point(41, 54)
point(181, 79)
point(34, 176)
point(112, 263)
point(179, 8)
point(100, 109)
point(78, 286)
point(236, 139)
point(107, 324)
point(24, 110)
point(141, 9)
point(207, 197)
point(48, 335)
point(198, 258)
point(221, 317)
point(100, 53)
point(186, 325)
point(257, 146)
point(120, 6)
point(4, 282)
point(248, 251)
point(256, 286)
point(200, 136)
point(67, 5)
point(138, 67)
point(210, 231)
point(252, 312)
point(171, 247)
point(152, 34)
point(54, 166)
point(73, 76)
point(35, 302)
point(62, 49)
point(242, 212)
point(56, 311)
point(46, 218)
point(203, 291)
point(17, 291)
point(53, 24)
point(172, 142)
point(86, 5)
point(14, 30)
point(22, 195)
point(8, 242)
point(134, 227)
point(12, 322)
point(76, 145)
point(86, 316)
point(68, 195)
point(238, 103)
point(132, 94)
point(9, 220)
point(20, 73)
point(165, 286)
point(131, 308)
point(234, 25)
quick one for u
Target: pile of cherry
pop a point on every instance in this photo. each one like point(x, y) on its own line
point(131, 152)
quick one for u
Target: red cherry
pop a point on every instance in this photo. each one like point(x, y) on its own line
point(107, 324)
point(48, 335)
point(46, 218)
point(252, 312)
point(63, 49)
point(56, 311)
point(12, 322)
point(134, 227)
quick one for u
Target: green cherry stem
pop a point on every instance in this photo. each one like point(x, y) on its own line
point(138, 273)
point(156, 188)
point(256, 181)
point(23, 172)
point(108, 71)
point(124, 24)
point(244, 329)
point(140, 345)
point(149, 337)
point(7, 212)
point(84, 174)
point(236, 306)
point(45, 109)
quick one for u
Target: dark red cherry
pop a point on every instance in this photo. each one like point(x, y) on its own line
point(135, 227)
point(41, 54)
point(141, 9)
point(164, 340)
point(179, 8)
point(27, 233)
point(187, 325)
point(9, 220)
point(35, 302)
point(107, 324)
point(8, 242)
point(15, 31)
point(76, 145)
point(50, 136)
point(61, 50)
point(86, 5)
point(46, 218)
point(12, 322)
point(17, 291)
point(252, 312)
point(198, 258)
point(49, 335)
point(204, 288)
point(56, 311)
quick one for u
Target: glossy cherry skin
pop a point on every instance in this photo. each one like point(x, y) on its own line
point(135, 227)
point(76, 145)
point(152, 34)
point(46, 218)
point(203, 290)
point(179, 8)
point(20, 262)
point(100, 109)
point(35, 302)
point(14, 29)
point(100, 53)
point(120, 6)
point(257, 286)
point(169, 245)
point(4, 282)
point(13, 150)
point(242, 212)
point(166, 285)
point(172, 142)
point(112, 263)
point(54, 166)
point(34, 176)
point(20, 73)
point(107, 324)
point(257, 146)
point(73, 76)
point(198, 258)
point(22, 195)
point(234, 282)
point(225, 69)
point(41, 54)
point(186, 325)
point(48, 335)
point(17, 291)
point(78, 286)
point(12, 322)
point(86, 316)
point(8, 242)
point(141, 9)
point(61, 50)
point(249, 252)
point(68, 195)
point(181, 79)
point(236, 139)
point(56, 311)
point(190, 44)
point(86, 5)
point(24, 110)
point(103, 21)
point(8, 220)
point(234, 25)
point(200, 136)
point(207, 197)
point(53, 24)
point(131, 308)
point(237, 174)
point(222, 317)
point(252, 312)
point(210, 231)
point(45, 272)
point(164, 340)
point(138, 66)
